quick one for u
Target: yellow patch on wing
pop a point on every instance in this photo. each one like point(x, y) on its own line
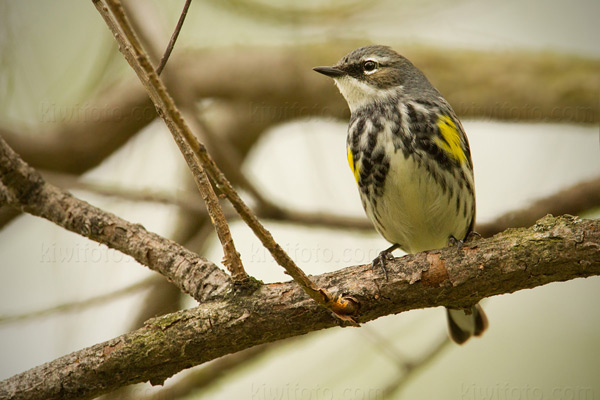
point(355, 170)
point(451, 143)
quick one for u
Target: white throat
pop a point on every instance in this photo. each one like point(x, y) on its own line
point(358, 94)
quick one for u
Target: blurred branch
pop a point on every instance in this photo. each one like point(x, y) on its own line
point(270, 86)
point(412, 368)
point(295, 12)
point(78, 138)
point(407, 369)
point(186, 200)
point(26, 189)
point(7, 214)
point(203, 378)
point(577, 199)
point(318, 219)
point(553, 250)
point(279, 84)
point(574, 200)
point(79, 305)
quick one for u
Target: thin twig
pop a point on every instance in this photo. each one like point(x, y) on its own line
point(165, 57)
point(132, 50)
point(231, 161)
point(222, 150)
point(138, 59)
point(231, 257)
point(90, 302)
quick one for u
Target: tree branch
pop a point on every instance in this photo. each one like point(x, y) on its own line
point(581, 197)
point(553, 250)
point(138, 60)
point(24, 188)
point(134, 53)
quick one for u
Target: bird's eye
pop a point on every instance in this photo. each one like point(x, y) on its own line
point(370, 66)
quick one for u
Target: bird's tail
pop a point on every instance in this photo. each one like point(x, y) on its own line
point(464, 324)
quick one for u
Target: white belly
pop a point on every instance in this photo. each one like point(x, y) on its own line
point(415, 212)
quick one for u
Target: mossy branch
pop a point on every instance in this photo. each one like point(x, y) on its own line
point(552, 250)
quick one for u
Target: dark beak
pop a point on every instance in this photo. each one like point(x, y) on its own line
point(330, 71)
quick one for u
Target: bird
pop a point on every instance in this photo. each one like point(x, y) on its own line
point(411, 160)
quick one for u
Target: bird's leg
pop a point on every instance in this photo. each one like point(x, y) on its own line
point(452, 241)
point(383, 258)
point(472, 236)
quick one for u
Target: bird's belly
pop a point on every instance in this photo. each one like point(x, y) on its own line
point(418, 212)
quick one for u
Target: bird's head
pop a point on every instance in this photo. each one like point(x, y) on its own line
point(373, 73)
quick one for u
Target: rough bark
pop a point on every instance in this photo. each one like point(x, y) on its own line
point(553, 250)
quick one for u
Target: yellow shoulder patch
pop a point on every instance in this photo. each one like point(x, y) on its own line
point(451, 143)
point(355, 170)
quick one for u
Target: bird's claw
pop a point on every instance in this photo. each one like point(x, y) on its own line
point(381, 260)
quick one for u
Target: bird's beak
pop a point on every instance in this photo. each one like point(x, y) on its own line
point(332, 72)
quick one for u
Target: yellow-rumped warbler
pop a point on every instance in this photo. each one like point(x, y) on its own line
point(411, 160)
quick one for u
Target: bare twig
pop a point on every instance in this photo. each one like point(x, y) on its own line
point(223, 151)
point(137, 58)
point(230, 159)
point(165, 57)
point(231, 257)
point(553, 250)
point(79, 305)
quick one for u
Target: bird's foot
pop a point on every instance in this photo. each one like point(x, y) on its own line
point(381, 260)
point(471, 236)
point(454, 242)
